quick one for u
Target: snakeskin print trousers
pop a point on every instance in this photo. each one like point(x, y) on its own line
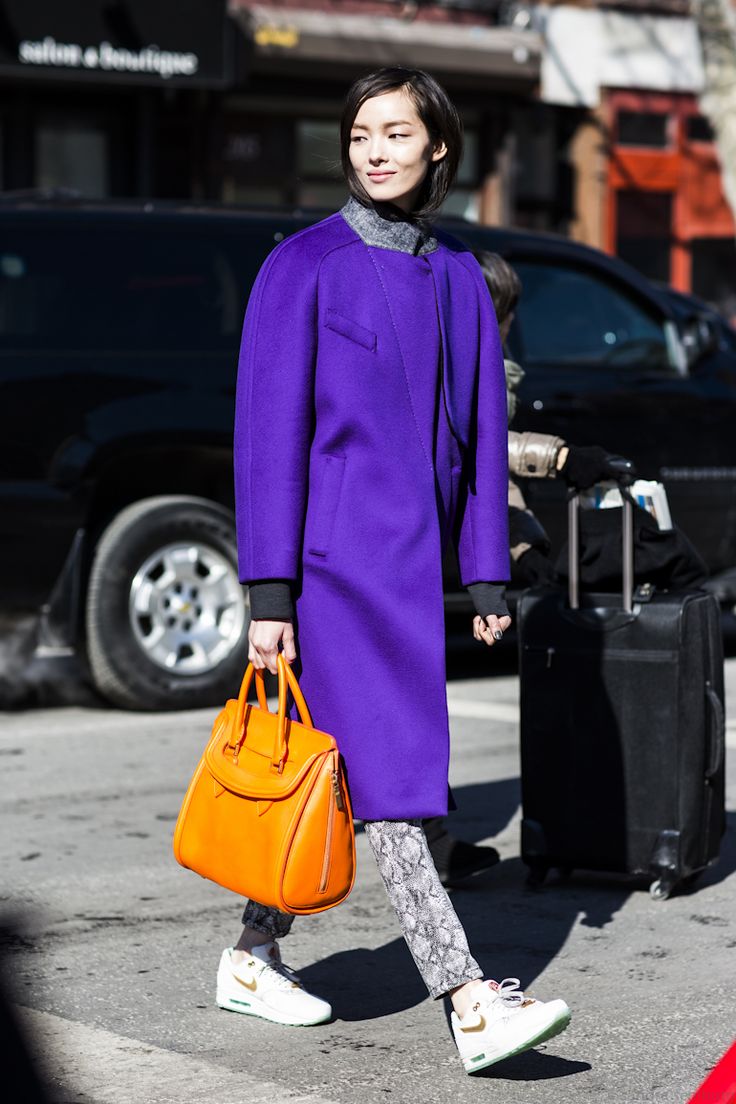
point(431, 927)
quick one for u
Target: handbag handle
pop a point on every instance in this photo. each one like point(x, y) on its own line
point(287, 681)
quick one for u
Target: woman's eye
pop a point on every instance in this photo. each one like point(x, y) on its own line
point(396, 135)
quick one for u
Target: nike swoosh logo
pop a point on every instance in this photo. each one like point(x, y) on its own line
point(478, 1027)
point(252, 985)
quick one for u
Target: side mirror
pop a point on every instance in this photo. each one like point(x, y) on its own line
point(699, 337)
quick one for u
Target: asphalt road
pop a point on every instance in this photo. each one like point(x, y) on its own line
point(115, 958)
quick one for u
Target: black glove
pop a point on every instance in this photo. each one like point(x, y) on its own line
point(589, 464)
point(537, 569)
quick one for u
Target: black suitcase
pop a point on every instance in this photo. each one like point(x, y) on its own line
point(622, 728)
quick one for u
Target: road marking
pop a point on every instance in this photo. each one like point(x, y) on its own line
point(113, 1069)
point(508, 713)
point(483, 710)
point(87, 722)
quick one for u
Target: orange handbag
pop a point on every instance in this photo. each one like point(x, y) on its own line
point(267, 813)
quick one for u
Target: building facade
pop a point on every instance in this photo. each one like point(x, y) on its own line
point(240, 101)
point(648, 184)
point(578, 119)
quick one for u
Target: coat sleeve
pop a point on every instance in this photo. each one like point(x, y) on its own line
point(274, 416)
point(534, 455)
point(481, 526)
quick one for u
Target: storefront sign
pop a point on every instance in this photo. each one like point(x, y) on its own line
point(147, 41)
point(108, 58)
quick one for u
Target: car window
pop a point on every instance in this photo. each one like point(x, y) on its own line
point(90, 287)
point(574, 316)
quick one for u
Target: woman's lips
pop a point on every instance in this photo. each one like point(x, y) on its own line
point(378, 177)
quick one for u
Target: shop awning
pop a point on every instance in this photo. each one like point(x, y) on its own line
point(504, 53)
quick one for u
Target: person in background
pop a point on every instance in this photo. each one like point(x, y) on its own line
point(536, 455)
point(531, 456)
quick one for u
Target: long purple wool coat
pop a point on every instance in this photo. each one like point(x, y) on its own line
point(353, 468)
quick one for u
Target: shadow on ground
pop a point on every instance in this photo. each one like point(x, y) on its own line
point(533, 1065)
point(513, 930)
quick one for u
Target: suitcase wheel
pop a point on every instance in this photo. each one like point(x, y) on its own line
point(661, 889)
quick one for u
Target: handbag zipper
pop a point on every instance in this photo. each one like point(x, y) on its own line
point(339, 800)
point(328, 843)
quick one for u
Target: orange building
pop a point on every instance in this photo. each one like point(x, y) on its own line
point(646, 176)
point(666, 211)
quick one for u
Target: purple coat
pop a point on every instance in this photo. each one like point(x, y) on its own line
point(353, 467)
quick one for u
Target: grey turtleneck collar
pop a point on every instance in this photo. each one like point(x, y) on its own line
point(400, 234)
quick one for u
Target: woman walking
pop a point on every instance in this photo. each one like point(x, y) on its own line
point(370, 429)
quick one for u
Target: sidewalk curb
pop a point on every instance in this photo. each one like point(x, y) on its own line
point(92, 1064)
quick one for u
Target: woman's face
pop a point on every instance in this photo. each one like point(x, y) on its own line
point(390, 148)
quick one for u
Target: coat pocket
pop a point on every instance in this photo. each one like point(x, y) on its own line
point(324, 507)
point(352, 330)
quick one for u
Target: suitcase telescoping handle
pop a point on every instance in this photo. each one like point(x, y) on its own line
point(573, 543)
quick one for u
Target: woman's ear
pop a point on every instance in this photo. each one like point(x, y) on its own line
point(439, 151)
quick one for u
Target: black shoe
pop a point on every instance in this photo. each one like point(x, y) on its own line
point(456, 860)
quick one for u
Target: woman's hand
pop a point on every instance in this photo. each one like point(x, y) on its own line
point(490, 629)
point(263, 643)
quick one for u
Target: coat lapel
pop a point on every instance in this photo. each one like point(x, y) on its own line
point(459, 318)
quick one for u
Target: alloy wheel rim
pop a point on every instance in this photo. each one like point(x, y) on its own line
point(187, 608)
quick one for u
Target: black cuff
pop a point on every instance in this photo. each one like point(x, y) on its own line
point(489, 598)
point(270, 600)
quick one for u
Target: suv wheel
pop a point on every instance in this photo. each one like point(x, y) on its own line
point(167, 618)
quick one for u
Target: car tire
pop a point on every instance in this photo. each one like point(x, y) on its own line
point(166, 618)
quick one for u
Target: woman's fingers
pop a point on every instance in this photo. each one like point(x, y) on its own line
point(263, 641)
point(481, 631)
point(498, 625)
point(289, 643)
point(494, 626)
point(491, 629)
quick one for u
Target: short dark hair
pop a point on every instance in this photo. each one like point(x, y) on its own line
point(503, 282)
point(437, 112)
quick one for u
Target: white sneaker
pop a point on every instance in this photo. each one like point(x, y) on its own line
point(502, 1022)
point(261, 985)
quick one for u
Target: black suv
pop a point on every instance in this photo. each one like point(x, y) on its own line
point(119, 330)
